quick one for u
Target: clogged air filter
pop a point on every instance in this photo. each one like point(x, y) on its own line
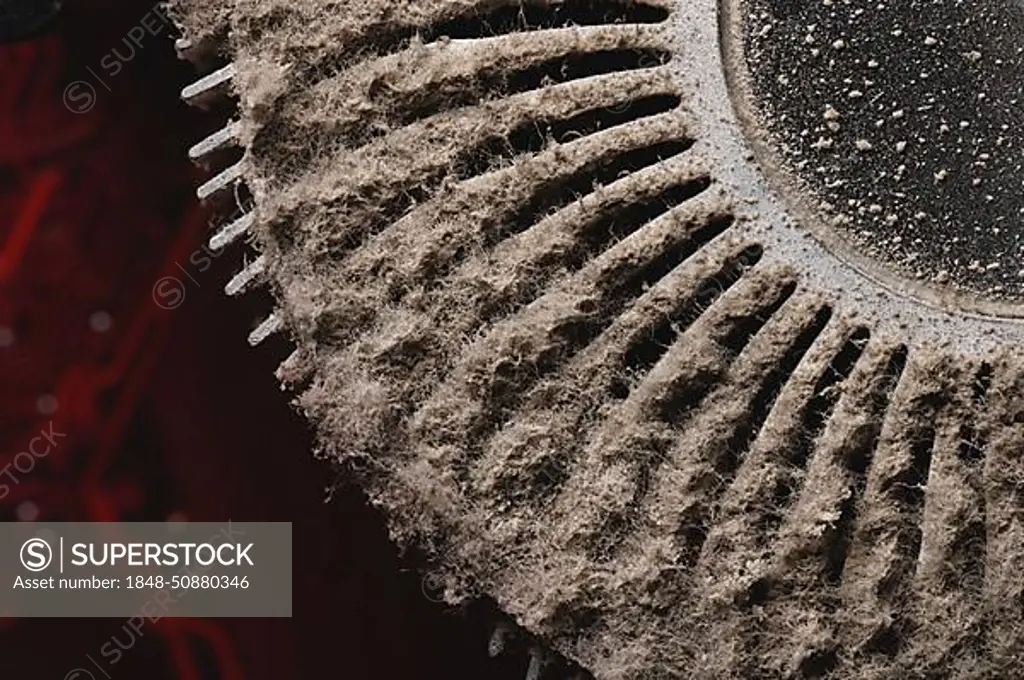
point(646, 319)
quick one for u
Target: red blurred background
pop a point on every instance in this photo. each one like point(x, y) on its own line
point(168, 412)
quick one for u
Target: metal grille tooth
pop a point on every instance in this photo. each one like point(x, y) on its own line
point(244, 278)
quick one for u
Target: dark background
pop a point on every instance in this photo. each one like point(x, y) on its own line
point(170, 412)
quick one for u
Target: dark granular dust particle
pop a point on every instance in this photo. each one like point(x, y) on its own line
point(907, 120)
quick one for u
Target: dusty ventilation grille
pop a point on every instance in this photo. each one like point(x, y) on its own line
point(546, 308)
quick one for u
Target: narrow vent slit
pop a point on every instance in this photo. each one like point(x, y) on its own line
point(510, 17)
point(857, 462)
point(640, 357)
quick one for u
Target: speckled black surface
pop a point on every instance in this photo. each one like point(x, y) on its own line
point(906, 119)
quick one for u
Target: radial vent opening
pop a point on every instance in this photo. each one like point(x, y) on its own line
point(902, 126)
point(540, 14)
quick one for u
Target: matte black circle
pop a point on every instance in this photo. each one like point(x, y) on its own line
point(21, 19)
point(905, 120)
